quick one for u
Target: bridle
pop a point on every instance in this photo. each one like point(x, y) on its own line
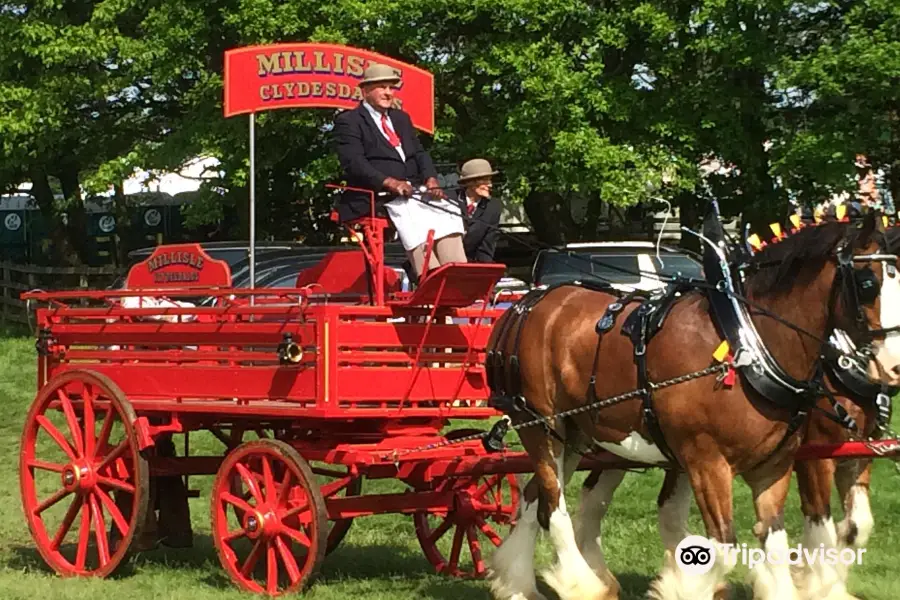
point(860, 287)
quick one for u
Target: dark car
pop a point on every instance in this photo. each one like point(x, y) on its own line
point(624, 265)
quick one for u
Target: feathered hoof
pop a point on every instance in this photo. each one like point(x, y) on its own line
point(587, 587)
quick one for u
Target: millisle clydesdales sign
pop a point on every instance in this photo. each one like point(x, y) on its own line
point(179, 265)
point(259, 78)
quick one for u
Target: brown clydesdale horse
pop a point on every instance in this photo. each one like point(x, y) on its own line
point(548, 357)
point(818, 580)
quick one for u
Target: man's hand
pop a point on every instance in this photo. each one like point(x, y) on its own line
point(434, 188)
point(397, 187)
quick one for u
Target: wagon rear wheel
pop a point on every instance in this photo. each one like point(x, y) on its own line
point(278, 545)
point(82, 477)
point(457, 540)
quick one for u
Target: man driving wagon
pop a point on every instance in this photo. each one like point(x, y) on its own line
point(379, 150)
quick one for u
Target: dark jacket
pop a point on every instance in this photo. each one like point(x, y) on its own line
point(482, 229)
point(367, 158)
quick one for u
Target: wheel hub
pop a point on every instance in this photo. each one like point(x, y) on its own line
point(78, 477)
point(261, 522)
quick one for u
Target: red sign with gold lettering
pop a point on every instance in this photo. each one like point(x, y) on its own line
point(179, 265)
point(259, 78)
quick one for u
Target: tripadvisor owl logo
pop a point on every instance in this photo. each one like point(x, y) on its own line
point(695, 555)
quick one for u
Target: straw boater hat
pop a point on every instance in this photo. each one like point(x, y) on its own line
point(377, 73)
point(475, 169)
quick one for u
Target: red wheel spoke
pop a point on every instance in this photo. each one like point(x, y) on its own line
point(475, 551)
point(235, 501)
point(271, 569)
point(285, 490)
point(116, 483)
point(113, 510)
point(268, 480)
point(46, 466)
point(288, 559)
point(250, 481)
point(438, 533)
point(486, 486)
point(66, 524)
point(88, 408)
point(457, 547)
point(51, 501)
point(83, 536)
point(57, 436)
point(74, 428)
point(488, 531)
point(105, 430)
point(298, 535)
point(100, 533)
point(295, 511)
point(234, 535)
point(116, 453)
point(253, 557)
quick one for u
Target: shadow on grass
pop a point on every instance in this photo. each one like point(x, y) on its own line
point(634, 587)
point(347, 563)
point(351, 561)
point(197, 557)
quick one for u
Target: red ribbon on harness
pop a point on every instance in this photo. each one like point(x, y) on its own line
point(728, 380)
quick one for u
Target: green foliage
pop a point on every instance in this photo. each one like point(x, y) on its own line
point(618, 103)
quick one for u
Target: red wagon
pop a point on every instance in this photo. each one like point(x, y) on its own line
point(333, 391)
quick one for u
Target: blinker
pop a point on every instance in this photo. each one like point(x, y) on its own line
point(867, 285)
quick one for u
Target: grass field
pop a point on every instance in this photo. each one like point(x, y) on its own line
point(380, 557)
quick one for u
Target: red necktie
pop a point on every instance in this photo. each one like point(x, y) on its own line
point(471, 209)
point(392, 137)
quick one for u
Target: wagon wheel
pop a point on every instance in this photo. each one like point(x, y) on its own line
point(333, 480)
point(278, 545)
point(73, 474)
point(479, 505)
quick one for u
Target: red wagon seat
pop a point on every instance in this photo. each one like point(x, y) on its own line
point(344, 272)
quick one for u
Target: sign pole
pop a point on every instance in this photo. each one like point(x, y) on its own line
point(252, 203)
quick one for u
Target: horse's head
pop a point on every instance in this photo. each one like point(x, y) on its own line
point(854, 261)
point(869, 301)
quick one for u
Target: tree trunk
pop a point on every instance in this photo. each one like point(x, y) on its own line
point(61, 249)
point(76, 223)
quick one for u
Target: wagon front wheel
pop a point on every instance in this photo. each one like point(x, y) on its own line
point(278, 544)
point(82, 477)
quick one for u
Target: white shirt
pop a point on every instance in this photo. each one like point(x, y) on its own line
point(376, 116)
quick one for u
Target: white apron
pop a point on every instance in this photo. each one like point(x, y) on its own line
point(413, 219)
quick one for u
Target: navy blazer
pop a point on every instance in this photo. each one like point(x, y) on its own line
point(482, 229)
point(367, 158)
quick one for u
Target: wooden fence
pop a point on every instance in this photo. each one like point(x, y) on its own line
point(17, 278)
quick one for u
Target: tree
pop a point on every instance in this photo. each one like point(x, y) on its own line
point(842, 80)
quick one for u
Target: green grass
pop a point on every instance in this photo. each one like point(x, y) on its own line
point(380, 557)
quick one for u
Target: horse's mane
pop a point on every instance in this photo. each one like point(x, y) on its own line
point(777, 267)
